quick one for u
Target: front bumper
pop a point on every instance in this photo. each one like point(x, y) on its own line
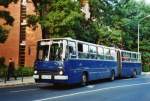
point(50, 77)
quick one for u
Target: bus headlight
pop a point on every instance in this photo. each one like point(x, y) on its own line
point(61, 72)
point(35, 72)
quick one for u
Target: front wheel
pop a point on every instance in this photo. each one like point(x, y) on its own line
point(84, 79)
point(134, 73)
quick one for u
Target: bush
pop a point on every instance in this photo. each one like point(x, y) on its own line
point(3, 68)
point(24, 71)
point(32, 20)
point(146, 68)
point(3, 71)
point(2, 61)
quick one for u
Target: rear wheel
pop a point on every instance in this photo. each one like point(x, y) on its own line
point(112, 78)
point(84, 79)
point(134, 73)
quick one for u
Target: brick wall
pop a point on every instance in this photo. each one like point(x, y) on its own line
point(10, 49)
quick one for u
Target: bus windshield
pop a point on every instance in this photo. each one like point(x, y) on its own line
point(43, 52)
point(50, 51)
point(56, 50)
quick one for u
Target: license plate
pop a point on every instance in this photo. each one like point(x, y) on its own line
point(46, 76)
point(36, 76)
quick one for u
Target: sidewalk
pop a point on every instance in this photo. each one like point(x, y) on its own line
point(146, 73)
point(18, 82)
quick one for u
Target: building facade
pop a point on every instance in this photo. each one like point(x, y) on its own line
point(21, 42)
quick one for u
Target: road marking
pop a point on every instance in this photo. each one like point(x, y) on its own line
point(85, 92)
point(22, 90)
point(90, 86)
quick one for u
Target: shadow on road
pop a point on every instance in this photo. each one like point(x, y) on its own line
point(67, 87)
point(74, 86)
point(59, 87)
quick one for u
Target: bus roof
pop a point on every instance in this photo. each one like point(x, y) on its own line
point(129, 51)
point(70, 39)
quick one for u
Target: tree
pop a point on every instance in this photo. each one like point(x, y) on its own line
point(65, 19)
point(122, 16)
point(112, 22)
point(6, 16)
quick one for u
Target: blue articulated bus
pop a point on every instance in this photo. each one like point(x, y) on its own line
point(69, 61)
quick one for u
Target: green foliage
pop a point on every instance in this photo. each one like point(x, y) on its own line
point(2, 62)
point(24, 71)
point(117, 22)
point(3, 34)
point(6, 15)
point(146, 68)
point(3, 71)
point(3, 68)
point(112, 23)
point(63, 18)
point(32, 21)
point(9, 21)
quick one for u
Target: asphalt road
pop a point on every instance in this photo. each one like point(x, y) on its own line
point(131, 89)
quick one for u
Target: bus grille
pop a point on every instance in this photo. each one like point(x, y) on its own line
point(48, 72)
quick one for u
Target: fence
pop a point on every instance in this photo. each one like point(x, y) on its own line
point(3, 78)
point(19, 73)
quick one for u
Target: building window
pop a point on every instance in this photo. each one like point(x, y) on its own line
point(29, 50)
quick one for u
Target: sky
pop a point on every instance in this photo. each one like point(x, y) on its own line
point(146, 1)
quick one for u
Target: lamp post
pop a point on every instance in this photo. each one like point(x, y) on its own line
point(139, 30)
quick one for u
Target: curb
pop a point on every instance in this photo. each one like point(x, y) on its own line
point(17, 85)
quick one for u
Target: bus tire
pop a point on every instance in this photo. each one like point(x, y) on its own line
point(134, 74)
point(112, 78)
point(84, 79)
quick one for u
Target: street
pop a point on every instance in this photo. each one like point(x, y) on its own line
point(127, 89)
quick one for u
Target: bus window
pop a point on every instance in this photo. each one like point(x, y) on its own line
point(56, 50)
point(113, 54)
point(100, 53)
point(129, 56)
point(92, 52)
point(82, 50)
point(85, 48)
point(80, 47)
point(43, 52)
point(125, 56)
point(133, 57)
point(71, 49)
point(107, 53)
